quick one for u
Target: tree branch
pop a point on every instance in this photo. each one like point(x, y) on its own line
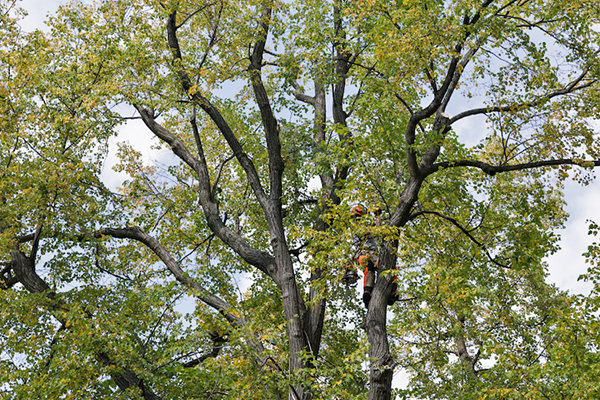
point(269, 121)
point(570, 88)
point(441, 97)
point(215, 187)
point(165, 256)
point(204, 7)
point(126, 378)
point(25, 273)
point(257, 258)
point(494, 169)
point(303, 97)
point(213, 113)
point(218, 341)
point(463, 230)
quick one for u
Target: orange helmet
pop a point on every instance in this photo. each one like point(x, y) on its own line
point(358, 211)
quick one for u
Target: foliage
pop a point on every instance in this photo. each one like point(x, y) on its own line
point(216, 271)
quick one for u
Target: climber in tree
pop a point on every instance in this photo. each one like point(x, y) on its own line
point(366, 255)
point(366, 252)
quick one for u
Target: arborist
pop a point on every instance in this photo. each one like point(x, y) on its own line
point(366, 255)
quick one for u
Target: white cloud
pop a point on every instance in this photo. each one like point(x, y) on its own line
point(567, 264)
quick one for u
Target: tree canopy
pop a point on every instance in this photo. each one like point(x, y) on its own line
point(457, 122)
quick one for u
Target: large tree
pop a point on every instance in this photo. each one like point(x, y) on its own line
point(457, 120)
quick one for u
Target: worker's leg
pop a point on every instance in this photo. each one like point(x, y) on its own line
point(369, 282)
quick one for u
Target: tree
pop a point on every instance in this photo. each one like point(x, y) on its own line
point(253, 101)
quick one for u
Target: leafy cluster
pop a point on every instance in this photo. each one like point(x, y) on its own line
point(216, 271)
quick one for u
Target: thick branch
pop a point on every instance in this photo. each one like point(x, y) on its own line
point(441, 96)
point(268, 119)
point(36, 243)
point(218, 341)
point(417, 117)
point(24, 271)
point(257, 258)
point(303, 97)
point(495, 169)
point(463, 352)
point(461, 66)
point(315, 315)
point(177, 146)
point(343, 64)
point(126, 378)
point(202, 293)
point(213, 113)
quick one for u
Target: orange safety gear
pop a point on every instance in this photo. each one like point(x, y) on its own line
point(370, 267)
point(369, 280)
point(363, 260)
point(358, 211)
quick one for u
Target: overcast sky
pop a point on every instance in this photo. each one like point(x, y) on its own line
point(582, 201)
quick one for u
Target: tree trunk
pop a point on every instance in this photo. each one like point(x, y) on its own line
point(382, 363)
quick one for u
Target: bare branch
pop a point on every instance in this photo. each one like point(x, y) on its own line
point(215, 187)
point(430, 78)
point(572, 87)
point(208, 239)
point(463, 230)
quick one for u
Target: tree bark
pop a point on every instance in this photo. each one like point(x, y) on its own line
point(382, 362)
